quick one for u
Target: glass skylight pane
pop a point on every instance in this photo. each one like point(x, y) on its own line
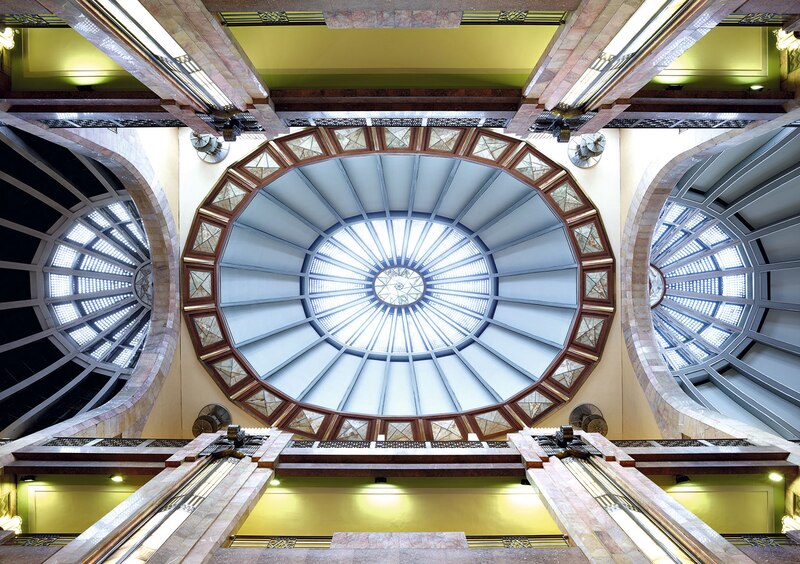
point(100, 351)
point(108, 249)
point(704, 264)
point(730, 313)
point(90, 285)
point(120, 211)
point(64, 257)
point(694, 221)
point(703, 306)
point(734, 286)
point(714, 335)
point(94, 264)
point(112, 319)
point(674, 360)
point(66, 313)
point(697, 352)
point(673, 213)
point(729, 258)
point(99, 219)
point(80, 234)
point(60, 285)
point(83, 335)
point(704, 286)
point(91, 306)
point(687, 250)
point(713, 236)
point(690, 323)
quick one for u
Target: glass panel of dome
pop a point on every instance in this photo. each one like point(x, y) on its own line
point(95, 264)
point(730, 313)
point(673, 213)
point(713, 236)
point(99, 219)
point(120, 211)
point(60, 285)
point(714, 335)
point(107, 249)
point(675, 360)
point(703, 306)
point(729, 258)
point(88, 285)
point(64, 257)
point(704, 286)
point(691, 248)
point(695, 220)
point(734, 286)
point(80, 234)
point(689, 322)
point(65, 313)
point(704, 264)
point(112, 319)
point(699, 353)
point(91, 306)
point(83, 335)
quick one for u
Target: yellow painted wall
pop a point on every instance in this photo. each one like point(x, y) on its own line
point(730, 504)
point(70, 503)
point(727, 58)
point(318, 56)
point(476, 506)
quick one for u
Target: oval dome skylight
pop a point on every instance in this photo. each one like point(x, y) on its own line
point(354, 282)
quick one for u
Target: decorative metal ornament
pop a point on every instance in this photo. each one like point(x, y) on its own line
point(585, 150)
point(209, 149)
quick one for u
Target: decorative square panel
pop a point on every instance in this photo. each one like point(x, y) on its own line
point(589, 330)
point(532, 167)
point(397, 137)
point(596, 283)
point(307, 421)
point(567, 372)
point(229, 196)
point(588, 238)
point(230, 371)
point(566, 198)
point(199, 284)
point(489, 148)
point(208, 330)
point(305, 147)
point(264, 402)
point(534, 404)
point(351, 139)
point(399, 431)
point(353, 430)
point(492, 423)
point(207, 238)
point(443, 139)
point(446, 430)
point(263, 165)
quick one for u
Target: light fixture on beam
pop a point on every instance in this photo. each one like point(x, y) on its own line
point(646, 25)
point(7, 39)
point(139, 27)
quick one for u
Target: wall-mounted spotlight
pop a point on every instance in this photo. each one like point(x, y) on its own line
point(381, 480)
point(681, 478)
point(7, 39)
point(116, 478)
point(27, 478)
point(775, 477)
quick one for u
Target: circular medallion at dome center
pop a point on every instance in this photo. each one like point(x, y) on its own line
point(399, 286)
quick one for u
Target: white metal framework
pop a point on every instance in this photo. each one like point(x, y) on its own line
point(99, 284)
point(400, 286)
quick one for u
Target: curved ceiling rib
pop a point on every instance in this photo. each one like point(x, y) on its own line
point(728, 322)
point(76, 283)
point(335, 289)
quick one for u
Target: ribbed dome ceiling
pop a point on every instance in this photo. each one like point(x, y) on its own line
point(398, 285)
point(727, 245)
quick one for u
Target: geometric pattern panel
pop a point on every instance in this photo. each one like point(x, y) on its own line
point(532, 167)
point(230, 371)
point(207, 238)
point(590, 329)
point(567, 372)
point(199, 284)
point(397, 137)
point(262, 166)
point(443, 139)
point(264, 402)
point(353, 430)
point(492, 423)
point(446, 430)
point(399, 431)
point(208, 330)
point(305, 147)
point(597, 285)
point(307, 421)
point(351, 139)
point(489, 148)
point(588, 238)
point(534, 403)
point(229, 196)
point(566, 198)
